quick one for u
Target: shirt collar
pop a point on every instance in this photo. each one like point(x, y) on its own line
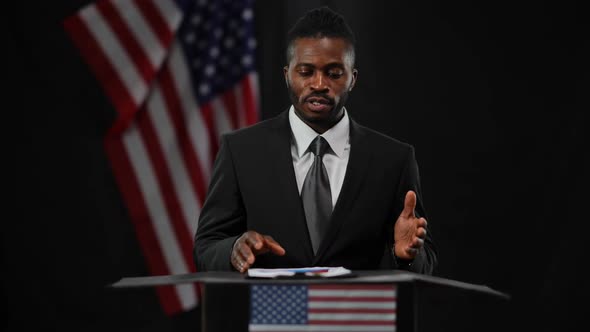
point(336, 136)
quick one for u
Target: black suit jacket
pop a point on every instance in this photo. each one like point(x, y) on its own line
point(253, 187)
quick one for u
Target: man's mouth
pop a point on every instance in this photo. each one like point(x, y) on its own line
point(318, 104)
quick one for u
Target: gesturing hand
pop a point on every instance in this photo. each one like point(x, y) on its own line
point(409, 232)
point(251, 244)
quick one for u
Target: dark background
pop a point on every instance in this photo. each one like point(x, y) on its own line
point(493, 95)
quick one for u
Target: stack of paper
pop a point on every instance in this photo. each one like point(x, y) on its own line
point(307, 271)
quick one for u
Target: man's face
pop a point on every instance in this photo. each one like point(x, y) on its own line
point(319, 78)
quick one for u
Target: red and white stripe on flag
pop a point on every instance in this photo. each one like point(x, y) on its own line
point(162, 145)
point(362, 307)
point(323, 307)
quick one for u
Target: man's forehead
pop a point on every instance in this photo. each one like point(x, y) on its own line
point(321, 43)
point(335, 48)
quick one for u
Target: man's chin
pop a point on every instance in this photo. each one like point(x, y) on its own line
point(316, 116)
point(322, 120)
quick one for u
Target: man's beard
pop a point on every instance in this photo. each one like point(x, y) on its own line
point(335, 112)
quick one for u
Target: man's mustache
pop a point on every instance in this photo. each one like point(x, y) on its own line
point(320, 95)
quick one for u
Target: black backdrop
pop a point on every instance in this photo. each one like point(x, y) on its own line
point(493, 96)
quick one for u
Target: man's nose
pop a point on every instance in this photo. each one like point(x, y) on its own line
point(319, 82)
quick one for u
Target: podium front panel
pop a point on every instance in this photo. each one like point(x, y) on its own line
point(358, 307)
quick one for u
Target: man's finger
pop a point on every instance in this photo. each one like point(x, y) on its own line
point(412, 252)
point(238, 261)
point(421, 232)
point(274, 246)
point(240, 265)
point(409, 204)
point(244, 267)
point(246, 254)
point(417, 243)
point(254, 240)
point(422, 222)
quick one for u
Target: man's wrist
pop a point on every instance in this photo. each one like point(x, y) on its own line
point(401, 262)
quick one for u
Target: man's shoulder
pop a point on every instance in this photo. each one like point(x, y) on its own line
point(259, 129)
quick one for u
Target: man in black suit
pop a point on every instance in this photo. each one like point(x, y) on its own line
point(312, 187)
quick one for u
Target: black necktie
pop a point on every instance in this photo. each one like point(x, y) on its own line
point(316, 194)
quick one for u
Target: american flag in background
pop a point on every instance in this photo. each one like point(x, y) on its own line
point(179, 73)
point(323, 307)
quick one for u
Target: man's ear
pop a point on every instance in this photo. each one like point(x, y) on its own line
point(353, 82)
point(286, 73)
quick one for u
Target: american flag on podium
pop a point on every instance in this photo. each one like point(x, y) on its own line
point(323, 307)
point(179, 73)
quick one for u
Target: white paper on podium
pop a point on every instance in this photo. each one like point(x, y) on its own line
point(316, 271)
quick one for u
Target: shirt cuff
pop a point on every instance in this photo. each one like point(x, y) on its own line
point(400, 262)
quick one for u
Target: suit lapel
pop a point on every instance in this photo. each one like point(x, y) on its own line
point(356, 170)
point(284, 177)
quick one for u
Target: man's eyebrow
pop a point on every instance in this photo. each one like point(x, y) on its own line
point(328, 66)
point(304, 64)
point(335, 65)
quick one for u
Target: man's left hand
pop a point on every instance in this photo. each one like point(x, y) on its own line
point(409, 231)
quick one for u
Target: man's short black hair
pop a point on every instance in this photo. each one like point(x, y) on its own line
point(319, 23)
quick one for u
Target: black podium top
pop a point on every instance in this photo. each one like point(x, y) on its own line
point(361, 277)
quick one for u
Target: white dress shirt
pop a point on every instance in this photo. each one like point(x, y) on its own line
point(335, 159)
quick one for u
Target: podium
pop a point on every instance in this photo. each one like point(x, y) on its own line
point(422, 303)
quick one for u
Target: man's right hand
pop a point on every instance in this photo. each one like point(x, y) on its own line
point(251, 244)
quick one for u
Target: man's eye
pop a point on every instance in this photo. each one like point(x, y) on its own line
point(304, 72)
point(335, 75)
